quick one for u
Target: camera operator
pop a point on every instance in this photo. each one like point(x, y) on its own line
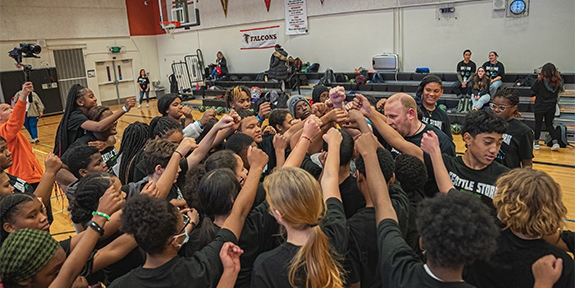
point(25, 166)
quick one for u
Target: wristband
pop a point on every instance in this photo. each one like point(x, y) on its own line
point(181, 155)
point(260, 119)
point(101, 214)
point(200, 124)
point(305, 137)
point(368, 122)
point(125, 109)
point(96, 227)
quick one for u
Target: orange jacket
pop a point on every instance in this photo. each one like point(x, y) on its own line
point(25, 166)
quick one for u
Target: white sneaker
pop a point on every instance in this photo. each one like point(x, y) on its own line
point(555, 147)
point(536, 146)
point(147, 105)
point(139, 106)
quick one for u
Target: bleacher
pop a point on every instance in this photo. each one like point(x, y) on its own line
point(408, 83)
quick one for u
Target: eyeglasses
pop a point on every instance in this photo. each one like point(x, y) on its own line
point(500, 107)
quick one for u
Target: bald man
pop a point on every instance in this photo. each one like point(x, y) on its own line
point(401, 112)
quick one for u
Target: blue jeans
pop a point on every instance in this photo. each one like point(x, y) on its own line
point(484, 99)
point(31, 124)
point(214, 74)
point(494, 86)
point(147, 96)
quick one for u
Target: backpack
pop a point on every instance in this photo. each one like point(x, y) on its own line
point(313, 68)
point(297, 63)
point(526, 81)
point(560, 131)
point(173, 84)
point(305, 68)
point(246, 78)
point(340, 78)
point(328, 77)
point(377, 78)
point(260, 76)
point(234, 78)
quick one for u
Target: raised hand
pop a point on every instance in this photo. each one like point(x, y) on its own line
point(186, 145)
point(27, 88)
point(150, 189)
point(269, 130)
point(130, 103)
point(380, 104)
point(332, 137)
point(257, 158)
point(366, 143)
point(311, 127)
point(280, 142)
point(362, 104)
point(430, 143)
point(111, 201)
point(101, 145)
point(319, 109)
point(187, 111)
point(208, 115)
point(230, 256)
point(265, 109)
point(225, 122)
point(52, 163)
point(337, 96)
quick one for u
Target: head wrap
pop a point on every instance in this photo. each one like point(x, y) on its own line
point(24, 253)
point(317, 90)
point(292, 101)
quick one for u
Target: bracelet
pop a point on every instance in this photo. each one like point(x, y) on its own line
point(200, 124)
point(260, 118)
point(96, 227)
point(101, 214)
point(125, 109)
point(305, 137)
point(368, 122)
point(181, 155)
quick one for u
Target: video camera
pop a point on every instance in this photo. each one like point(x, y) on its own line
point(26, 51)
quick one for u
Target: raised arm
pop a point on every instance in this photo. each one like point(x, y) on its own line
point(389, 134)
point(310, 129)
point(235, 222)
point(164, 183)
point(367, 146)
point(101, 126)
point(207, 143)
point(16, 120)
point(44, 189)
point(110, 202)
point(430, 145)
point(230, 256)
point(330, 179)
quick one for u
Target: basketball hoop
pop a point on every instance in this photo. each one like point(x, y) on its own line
point(169, 27)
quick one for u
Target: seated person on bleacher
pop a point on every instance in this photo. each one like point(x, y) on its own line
point(495, 70)
point(426, 96)
point(465, 71)
point(480, 95)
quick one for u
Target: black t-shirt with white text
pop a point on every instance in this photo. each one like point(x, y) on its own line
point(494, 70)
point(439, 119)
point(465, 70)
point(517, 144)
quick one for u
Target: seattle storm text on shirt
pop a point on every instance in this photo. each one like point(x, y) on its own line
point(468, 185)
point(507, 138)
point(438, 124)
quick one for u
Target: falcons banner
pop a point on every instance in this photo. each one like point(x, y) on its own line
point(259, 38)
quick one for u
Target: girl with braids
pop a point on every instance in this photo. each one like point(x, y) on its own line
point(516, 150)
point(75, 120)
point(480, 95)
point(546, 88)
point(313, 235)
point(133, 140)
point(530, 207)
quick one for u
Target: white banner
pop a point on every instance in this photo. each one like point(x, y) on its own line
point(296, 17)
point(259, 38)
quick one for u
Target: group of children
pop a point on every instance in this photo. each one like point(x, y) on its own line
point(328, 194)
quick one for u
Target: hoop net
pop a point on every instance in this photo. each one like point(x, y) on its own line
point(169, 27)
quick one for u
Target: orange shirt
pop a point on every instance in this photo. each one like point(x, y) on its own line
point(25, 165)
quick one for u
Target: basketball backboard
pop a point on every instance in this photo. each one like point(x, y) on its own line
point(183, 12)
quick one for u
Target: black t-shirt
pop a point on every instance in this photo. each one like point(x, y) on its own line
point(109, 155)
point(351, 197)
point(75, 131)
point(143, 82)
point(465, 70)
point(308, 165)
point(271, 268)
point(140, 172)
point(510, 264)
point(399, 265)
point(203, 269)
point(517, 144)
point(546, 96)
point(569, 238)
point(20, 186)
point(437, 118)
point(480, 183)
point(494, 70)
point(363, 255)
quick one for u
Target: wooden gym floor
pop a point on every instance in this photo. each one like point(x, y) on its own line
point(559, 164)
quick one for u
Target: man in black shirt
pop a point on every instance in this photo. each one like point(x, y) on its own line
point(465, 71)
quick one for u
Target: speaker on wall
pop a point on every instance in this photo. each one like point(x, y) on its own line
point(499, 5)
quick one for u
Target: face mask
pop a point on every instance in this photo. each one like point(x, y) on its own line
point(185, 239)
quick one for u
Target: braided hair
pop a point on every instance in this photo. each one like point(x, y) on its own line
point(9, 207)
point(62, 142)
point(163, 127)
point(90, 188)
point(133, 140)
